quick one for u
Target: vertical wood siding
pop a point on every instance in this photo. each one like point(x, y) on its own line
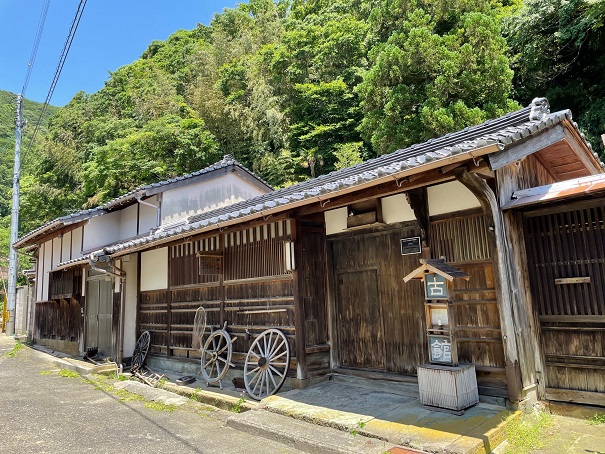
point(570, 244)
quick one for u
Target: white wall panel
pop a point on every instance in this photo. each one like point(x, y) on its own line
point(128, 222)
point(336, 220)
point(154, 269)
point(450, 197)
point(396, 209)
point(102, 230)
point(56, 257)
point(66, 247)
point(48, 250)
point(148, 216)
point(206, 195)
point(76, 243)
point(129, 265)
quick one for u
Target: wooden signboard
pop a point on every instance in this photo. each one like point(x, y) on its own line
point(411, 245)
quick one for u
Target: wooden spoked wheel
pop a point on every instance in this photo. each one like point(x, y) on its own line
point(141, 348)
point(267, 364)
point(216, 356)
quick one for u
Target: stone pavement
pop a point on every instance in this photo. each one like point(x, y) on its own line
point(392, 413)
point(572, 431)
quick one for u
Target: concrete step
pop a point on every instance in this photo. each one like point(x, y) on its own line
point(308, 437)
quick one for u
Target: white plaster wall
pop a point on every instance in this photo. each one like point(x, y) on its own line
point(76, 243)
point(128, 222)
point(396, 209)
point(102, 230)
point(336, 220)
point(154, 269)
point(66, 247)
point(48, 249)
point(205, 196)
point(129, 265)
point(450, 197)
point(148, 216)
point(56, 256)
point(40, 272)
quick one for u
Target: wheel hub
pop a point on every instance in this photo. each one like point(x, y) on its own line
point(262, 362)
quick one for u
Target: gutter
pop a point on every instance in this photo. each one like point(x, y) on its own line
point(139, 196)
point(460, 157)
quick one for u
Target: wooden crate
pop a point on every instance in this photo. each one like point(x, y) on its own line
point(449, 387)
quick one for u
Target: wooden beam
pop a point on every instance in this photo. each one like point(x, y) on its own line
point(299, 309)
point(529, 146)
point(489, 203)
point(580, 397)
point(419, 202)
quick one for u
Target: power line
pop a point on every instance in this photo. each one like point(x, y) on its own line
point(70, 37)
point(32, 58)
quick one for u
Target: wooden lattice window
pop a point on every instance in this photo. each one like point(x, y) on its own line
point(196, 262)
point(460, 239)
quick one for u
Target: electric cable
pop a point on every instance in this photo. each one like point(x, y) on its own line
point(66, 47)
point(32, 58)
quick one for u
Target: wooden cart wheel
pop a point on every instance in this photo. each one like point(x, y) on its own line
point(267, 364)
point(216, 356)
point(141, 348)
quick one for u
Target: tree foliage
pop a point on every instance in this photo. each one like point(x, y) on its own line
point(297, 88)
point(557, 48)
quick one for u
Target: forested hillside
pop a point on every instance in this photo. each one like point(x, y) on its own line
point(294, 89)
point(31, 113)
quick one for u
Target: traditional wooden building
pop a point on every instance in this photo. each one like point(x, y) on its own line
point(323, 261)
point(80, 301)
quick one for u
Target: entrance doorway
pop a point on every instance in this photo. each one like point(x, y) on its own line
point(99, 306)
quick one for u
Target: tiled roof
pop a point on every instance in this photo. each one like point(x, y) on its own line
point(499, 132)
point(227, 161)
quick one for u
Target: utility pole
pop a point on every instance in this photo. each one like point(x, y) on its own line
point(13, 264)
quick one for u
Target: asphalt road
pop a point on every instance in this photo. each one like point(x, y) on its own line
point(44, 412)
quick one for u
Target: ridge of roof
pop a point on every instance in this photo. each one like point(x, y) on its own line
point(227, 161)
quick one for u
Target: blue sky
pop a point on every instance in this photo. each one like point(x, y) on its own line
point(112, 33)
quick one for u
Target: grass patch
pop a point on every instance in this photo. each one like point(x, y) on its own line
point(159, 406)
point(68, 373)
point(597, 419)
point(237, 408)
point(527, 433)
point(16, 349)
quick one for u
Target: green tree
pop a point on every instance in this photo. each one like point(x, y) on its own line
point(437, 66)
point(557, 52)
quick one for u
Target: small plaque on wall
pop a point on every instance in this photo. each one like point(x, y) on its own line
point(411, 245)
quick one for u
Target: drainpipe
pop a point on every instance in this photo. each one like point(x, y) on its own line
point(121, 274)
point(139, 196)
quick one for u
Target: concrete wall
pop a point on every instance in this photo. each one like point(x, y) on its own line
point(22, 310)
point(450, 197)
point(154, 269)
point(206, 195)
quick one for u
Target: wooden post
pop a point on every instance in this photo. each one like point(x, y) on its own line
point(489, 204)
point(299, 310)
